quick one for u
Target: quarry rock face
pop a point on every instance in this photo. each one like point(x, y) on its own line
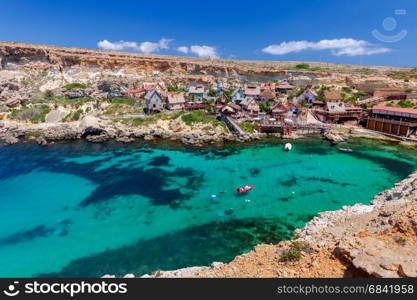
point(39, 67)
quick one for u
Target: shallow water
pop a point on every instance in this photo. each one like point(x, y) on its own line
point(82, 209)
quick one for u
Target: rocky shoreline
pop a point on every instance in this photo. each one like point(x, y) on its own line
point(99, 130)
point(95, 129)
point(375, 240)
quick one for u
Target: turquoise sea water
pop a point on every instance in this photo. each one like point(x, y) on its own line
point(82, 209)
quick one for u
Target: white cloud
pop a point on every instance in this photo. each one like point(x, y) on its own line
point(338, 47)
point(105, 44)
point(145, 47)
point(204, 51)
point(183, 49)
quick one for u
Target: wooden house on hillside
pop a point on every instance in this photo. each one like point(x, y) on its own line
point(267, 95)
point(308, 95)
point(279, 110)
point(252, 91)
point(154, 102)
point(249, 104)
point(332, 95)
point(197, 91)
point(284, 87)
point(269, 86)
point(237, 96)
point(338, 112)
point(175, 101)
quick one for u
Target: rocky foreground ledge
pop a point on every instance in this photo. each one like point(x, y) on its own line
point(376, 240)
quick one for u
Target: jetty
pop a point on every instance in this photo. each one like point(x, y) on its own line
point(232, 125)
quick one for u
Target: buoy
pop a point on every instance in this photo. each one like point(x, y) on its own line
point(287, 147)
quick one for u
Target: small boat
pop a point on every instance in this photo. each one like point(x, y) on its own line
point(346, 150)
point(287, 147)
point(244, 189)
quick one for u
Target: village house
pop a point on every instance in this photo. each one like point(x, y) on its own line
point(249, 104)
point(221, 87)
point(222, 98)
point(284, 87)
point(175, 101)
point(332, 95)
point(393, 120)
point(279, 110)
point(252, 91)
point(267, 95)
point(317, 104)
point(308, 95)
point(237, 96)
point(338, 112)
point(269, 86)
point(154, 102)
point(197, 92)
point(335, 107)
point(230, 110)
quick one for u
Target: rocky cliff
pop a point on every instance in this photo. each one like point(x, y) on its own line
point(67, 63)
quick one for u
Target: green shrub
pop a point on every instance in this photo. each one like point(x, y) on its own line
point(317, 69)
point(175, 89)
point(302, 66)
point(150, 119)
point(290, 255)
point(265, 107)
point(63, 100)
point(73, 116)
point(74, 85)
point(347, 90)
point(123, 100)
point(116, 109)
point(34, 114)
point(77, 114)
point(248, 126)
point(199, 116)
point(294, 253)
point(405, 103)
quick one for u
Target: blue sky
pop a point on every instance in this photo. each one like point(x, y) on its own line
point(305, 30)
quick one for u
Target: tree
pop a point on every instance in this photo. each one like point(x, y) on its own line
point(265, 107)
point(302, 66)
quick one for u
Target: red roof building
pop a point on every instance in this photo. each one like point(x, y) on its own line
point(135, 93)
